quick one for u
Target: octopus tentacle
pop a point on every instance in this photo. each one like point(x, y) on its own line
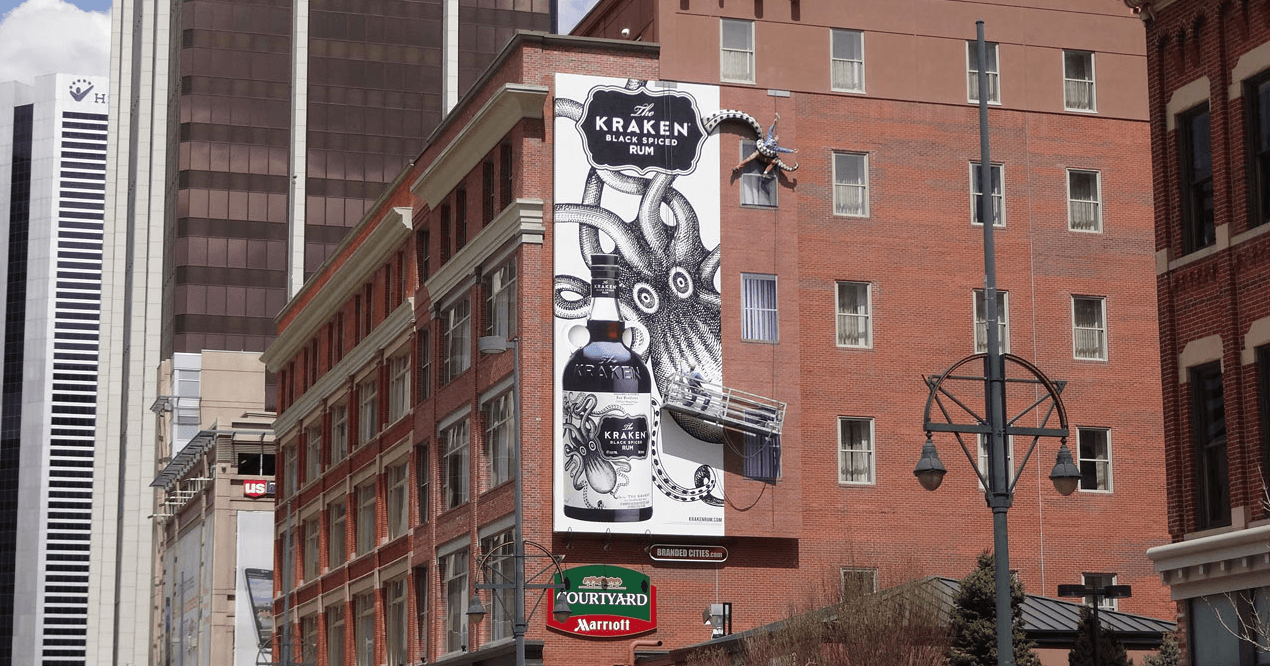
point(624, 183)
point(589, 237)
point(650, 223)
point(630, 247)
point(709, 266)
point(567, 108)
point(686, 245)
point(567, 309)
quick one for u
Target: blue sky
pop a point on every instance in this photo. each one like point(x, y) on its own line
point(86, 5)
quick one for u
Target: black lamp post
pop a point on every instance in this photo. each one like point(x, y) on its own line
point(1096, 594)
point(497, 344)
point(995, 423)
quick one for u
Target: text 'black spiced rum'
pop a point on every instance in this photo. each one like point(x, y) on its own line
point(607, 415)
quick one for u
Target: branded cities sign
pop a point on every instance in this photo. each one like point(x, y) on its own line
point(606, 601)
point(680, 553)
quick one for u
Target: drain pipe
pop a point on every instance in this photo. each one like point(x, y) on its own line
point(639, 644)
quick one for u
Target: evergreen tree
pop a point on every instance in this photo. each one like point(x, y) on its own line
point(1110, 651)
point(974, 615)
point(1168, 655)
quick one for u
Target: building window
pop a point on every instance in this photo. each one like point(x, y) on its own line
point(398, 499)
point(1095, 458)
point(983, 458)
point(1195, 143)
point(396, 628)
point(1208, 428)
point(423, 254)
point(365, 518)
point(1084, 200)
point(309, 639)
point(339, 336)
point(368, 410)
point(500, 300)
point(423, 630)
point(1078, 81)
point(1102, 580)
point(423, 472)
point(364, 629)
point(445, 232)
point(425, 364)
point(339, 433)
point(998, 195)
point(1209, 636)
point(457, 320)
point(454, 465)
point(454, 582)
point(972, 72)
point(460, 219)
point(500, 451)
point(855, 450)
point(398, 387)
point(736, 55)
point(758, 308)
point(501, 569)
point(312, 563)
point(981, 321)
point(337, 535)
point(335, 635)
point(291, 476)
point(1257, 96)
point(505, 175)
point(1089, 327)
point(487, 192)
point(855, 325)
point(858, 581)
point(851, 184)
point(757, 188)
point(1263, 407)
point(313, 452)
point(846, 60)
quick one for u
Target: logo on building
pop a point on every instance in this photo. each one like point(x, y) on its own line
point(80, 89)
point(257, 487)
point(607, 601)
point(645, 130)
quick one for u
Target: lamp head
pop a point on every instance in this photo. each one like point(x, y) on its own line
point(475, 609)
point(560, 609)
point(930, 469)
point(1065, 475)
point(493, 344)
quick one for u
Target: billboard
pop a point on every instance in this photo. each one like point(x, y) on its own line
point(253, 598)
point(637, 297)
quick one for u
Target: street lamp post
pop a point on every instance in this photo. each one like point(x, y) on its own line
point(497, 344)
point(1096, 594)
point(995, 423)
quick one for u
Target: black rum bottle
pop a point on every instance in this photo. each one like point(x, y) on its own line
point(607, 415)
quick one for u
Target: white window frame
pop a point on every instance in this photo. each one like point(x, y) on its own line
point(456, 324)
point(843, 318)
point(868, 450)
point(398, 387)
point(844, 65)
point(364, 529)
point(1100, 331)
point(335, 636)
point(1071, 84)
point(364, 629)
point(981, 457)
point(1096, 202)
point(500, 451)
point(312, 548)
point(501, 569)
point(454, 442)
point(396, 622)
point(981, 324)
point(871, 573)
point(1105, 462)
point(339, 433)
point(368, 410)
point(312, 452)
point(998, 198)
point(397, 478)
point(972, 71)
point(337, 532)
point(757, 190)
point(748, 54)
point(454, 572)
point(291, 469)
point(500, 300)
point(1100, 580)
point(759, 322)
point(841, 188)
point(308, 639)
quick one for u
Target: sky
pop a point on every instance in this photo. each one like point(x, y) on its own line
point(48, 36)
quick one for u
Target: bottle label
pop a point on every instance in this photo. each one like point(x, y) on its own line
point(604, 288)
point(606, 450)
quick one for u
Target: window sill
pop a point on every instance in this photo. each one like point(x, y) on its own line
point(980, 224)
point(976, 102)
point(1072, 110)
point(1090, 360)
point(847, 90)
point(857, 484)
point(761, 342)
point(1096, 492)
point(761, 206)
point(738, 81)
point(856, 347)
point(1074, 230)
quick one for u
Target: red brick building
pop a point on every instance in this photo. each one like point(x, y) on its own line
point(1209, 67)
point(833, 288)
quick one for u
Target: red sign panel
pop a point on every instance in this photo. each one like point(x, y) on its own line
point(257, 487)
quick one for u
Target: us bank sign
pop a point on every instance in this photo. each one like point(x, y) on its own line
point(607, 601)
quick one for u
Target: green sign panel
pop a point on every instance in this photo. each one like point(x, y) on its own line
point(607, 601)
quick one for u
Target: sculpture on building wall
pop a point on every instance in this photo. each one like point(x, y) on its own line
point(769, 150)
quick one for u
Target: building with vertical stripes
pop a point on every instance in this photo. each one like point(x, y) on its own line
point(52, 191)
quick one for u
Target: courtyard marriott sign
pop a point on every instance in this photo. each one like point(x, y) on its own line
point(607, 601)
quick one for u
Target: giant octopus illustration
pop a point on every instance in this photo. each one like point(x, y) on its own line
point(667, 273)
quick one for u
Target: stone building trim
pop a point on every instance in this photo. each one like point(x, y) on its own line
point(1198, 352)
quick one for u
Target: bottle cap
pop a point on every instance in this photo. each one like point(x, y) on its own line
point(598, 260)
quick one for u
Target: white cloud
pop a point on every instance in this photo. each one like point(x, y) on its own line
point(572, 11)
point(49, 36)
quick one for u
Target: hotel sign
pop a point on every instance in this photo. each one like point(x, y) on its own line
point(679, 553)
point(606, 601)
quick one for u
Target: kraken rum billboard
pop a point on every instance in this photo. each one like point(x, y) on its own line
point(637, 297)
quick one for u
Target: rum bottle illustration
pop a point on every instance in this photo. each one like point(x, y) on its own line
point(607, 415)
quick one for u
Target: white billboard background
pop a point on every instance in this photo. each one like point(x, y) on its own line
point(688, 498)
point(255, 551)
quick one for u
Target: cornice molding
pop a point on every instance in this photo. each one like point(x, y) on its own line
point(362, 262)
point(509, 105)
point(521, 221)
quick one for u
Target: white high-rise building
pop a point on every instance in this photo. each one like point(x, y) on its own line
point(52, 207)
